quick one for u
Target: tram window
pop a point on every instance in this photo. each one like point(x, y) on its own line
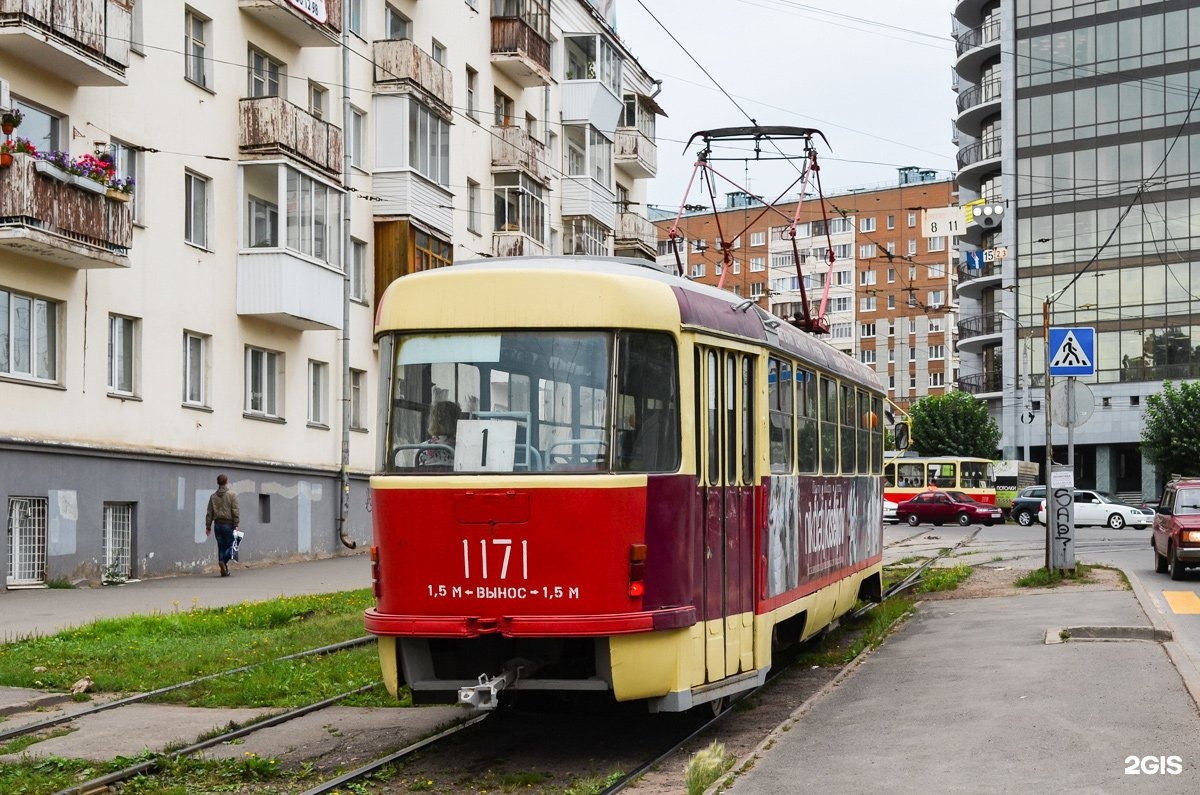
point(877, 435)
point(780, 413)
point(806, 428)
point(731, 419)
point(712, 410)
point(747, 420)
point(647, 407)
point(849, 429)
point(889, 475)
point(864, 433)
point(911, 476)
point(829, 426)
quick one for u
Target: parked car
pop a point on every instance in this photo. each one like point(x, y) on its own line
point(941, 506)
point(889, 512)
point(1026, 504)
point(1176, 535)
point(1098, 508)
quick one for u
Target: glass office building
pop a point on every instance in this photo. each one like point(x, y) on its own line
point(1081, 120)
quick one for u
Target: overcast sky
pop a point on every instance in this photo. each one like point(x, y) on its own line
point(873, 75)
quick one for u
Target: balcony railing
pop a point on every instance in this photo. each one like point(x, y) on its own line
point(978, 383)
point(400, 62)
point(989, 270)
point(54, 219)
point(988, 92)
point(84, 42)
point(519, 52)
point(508, 243)
point(635, 236)
point(272, 125)
point(984, 34)
point(515, 149)
point(979, 325)
point(978, 151)
point(287, 19)
point(635, 153)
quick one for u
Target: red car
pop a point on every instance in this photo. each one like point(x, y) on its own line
point(1176, 536)
point(938, 507)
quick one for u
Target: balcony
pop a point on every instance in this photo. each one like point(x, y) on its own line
point(290, 20)
point(55, 220)
point(635, 154)
point(84, 42)
point(519, 52)
point(975, 47)
point(977, 332)
point(977, 104)
point(973, 281)
point(982, 383)
point(514, 149)
point(271, 126)
point(289, 289)
point(401, 65)
point(636, 237)
point(585, 196)
point(514, 243)
point(976, 161)
point(591, 102)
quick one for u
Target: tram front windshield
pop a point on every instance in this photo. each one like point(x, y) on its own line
point(533, 401)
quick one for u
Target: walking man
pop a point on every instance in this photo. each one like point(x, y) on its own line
point(223, 517)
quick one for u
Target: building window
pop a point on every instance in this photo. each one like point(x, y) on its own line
point(593, 57)
point(638, 115)
point(866, 224)
point(866, 330)
point(128, 160)
point(354, 137)
point(891, 275)
point(358, 391)
point(318, 99)
point(936, 244)
point(263, 368)
point(912, 220)
point(28, 337)
point(757, 290)
point(698, 270)
point(866, 251)
point(842, 278)
point(358, 269)
point(891, 351)
point(586, 236)
point(438, 51)
point(314, 218)
point(589, 153)
point(937, 270)
point(937, 298)
point(912, 247)
point(196, 65)
point(937, 352)
point(122, 354)
point(263, 218)
point(502, 109)
point(318, 393)
point(891, 222)
point(867, 356)
point(472, 94)
point(935, 323)
point(912, 273)
point(866, 277)
point(430, 252)
point(195, 209)
point(472, 206)
point(841, 304)
point(937, 379)
point(195, 369)
point(841, 331)
point(757, 264)
point(758, 238)
point(891, 247)
point(891, 302)
point(428, 143)
point(396, 25)
point(117, 542)
point(520, 205)
point(265, 75)
point(867, 303)
point(355, 7)
point(737, 265)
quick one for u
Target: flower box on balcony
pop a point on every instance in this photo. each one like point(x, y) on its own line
point(119, 195)
point(51, 170)
point(89, 184)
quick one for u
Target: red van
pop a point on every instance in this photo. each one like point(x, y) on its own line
point(1176, 536)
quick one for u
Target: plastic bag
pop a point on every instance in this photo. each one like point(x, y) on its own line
point(238, 535)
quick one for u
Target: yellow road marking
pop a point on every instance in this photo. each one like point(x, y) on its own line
point(1185, 602)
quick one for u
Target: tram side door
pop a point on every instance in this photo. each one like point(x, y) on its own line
point(724, 471)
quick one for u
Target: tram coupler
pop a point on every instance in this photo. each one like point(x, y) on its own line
point(485, 695)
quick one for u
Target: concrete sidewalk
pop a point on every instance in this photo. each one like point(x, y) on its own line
point(44, 611)
point(982, 695)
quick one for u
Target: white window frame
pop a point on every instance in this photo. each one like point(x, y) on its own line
point(197, 66)
point(358, 269)
point(937, 352)
point(758, 238)
point(396, 26)
point(472, 94)
point(356, 137)
point(937, 298)
point(937, 379)
point(358, 396)
point(866, 278)
point(757, 265)
point(195, 368)
point(473, 198)
point(437, 51)
point(318, 96)
point(195, 208)
point(262, 219)
point(264, 368)
point(866, 224)
point(866, 330)
point(123, 349)
point(936, 244)
point(267, 77)
point(912, 247)
point(33, 339)
point(867, 303)
point(318, 393)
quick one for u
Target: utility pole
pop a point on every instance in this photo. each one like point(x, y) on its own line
point(343, 516)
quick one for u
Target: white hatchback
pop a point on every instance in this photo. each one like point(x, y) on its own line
point(1098, 508)
point(889, 512)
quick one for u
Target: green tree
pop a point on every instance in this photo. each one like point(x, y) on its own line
point(953, 424)
point(1171, 436)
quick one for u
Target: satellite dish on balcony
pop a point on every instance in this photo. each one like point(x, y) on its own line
point(1071, 403)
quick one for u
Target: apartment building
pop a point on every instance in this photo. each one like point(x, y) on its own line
point(889, 295)
point(1075, 118)
point(288, 158)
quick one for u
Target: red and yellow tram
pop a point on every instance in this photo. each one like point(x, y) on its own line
point(596, 476)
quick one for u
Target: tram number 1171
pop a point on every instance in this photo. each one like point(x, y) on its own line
point(507, 544)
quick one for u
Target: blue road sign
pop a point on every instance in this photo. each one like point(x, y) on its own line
point(1072, 351)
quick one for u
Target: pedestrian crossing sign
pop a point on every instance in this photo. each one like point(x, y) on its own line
point(1072, 351)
